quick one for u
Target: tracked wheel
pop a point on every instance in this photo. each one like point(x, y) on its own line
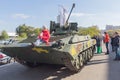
point(91, 53)
point(88, 54)
point(81, 60)
point(84, 57)
point(77, 63)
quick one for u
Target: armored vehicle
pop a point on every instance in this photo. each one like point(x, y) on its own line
point(66, 48)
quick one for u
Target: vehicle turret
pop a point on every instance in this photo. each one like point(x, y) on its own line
point(67, 28)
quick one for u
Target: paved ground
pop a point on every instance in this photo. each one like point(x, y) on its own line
point(101, 67)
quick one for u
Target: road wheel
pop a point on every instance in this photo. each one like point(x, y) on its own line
point(81, 60)
point(89, 53)
point(84, 57)
point(93, 49)
point(78, 63)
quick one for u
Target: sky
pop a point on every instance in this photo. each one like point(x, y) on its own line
point(40, 12)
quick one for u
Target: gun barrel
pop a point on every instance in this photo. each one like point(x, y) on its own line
point(70, 13)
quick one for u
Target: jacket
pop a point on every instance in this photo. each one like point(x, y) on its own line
point(45, 35)
point(116, 41)
point(112, 41)
point(106, 38)
point(98, 41)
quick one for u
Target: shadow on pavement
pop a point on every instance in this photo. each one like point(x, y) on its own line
point(93, 62)
point(113, 72)
point(99, 54)
point(16, 71)
point(113, 68)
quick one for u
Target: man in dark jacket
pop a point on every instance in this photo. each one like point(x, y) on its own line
point(112, 44)
point(116, 46)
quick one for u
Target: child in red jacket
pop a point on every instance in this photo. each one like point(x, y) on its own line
point(43, 37)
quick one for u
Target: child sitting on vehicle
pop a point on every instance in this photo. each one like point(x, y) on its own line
point(43, 37)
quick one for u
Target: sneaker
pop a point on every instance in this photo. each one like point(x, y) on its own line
point(106, 53)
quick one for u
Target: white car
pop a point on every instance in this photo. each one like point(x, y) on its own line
point(5, 42)
point(4, 59)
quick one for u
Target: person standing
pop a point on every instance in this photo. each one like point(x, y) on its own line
point(112, 42)
point(99, 44)
point(106, 41)
point(116, 46)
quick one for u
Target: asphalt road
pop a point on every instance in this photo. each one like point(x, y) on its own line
point(101, 67)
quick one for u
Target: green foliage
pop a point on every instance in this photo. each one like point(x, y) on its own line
point(20, 29)
point(20, 38)
point(111, 32)
point(23, 35)
point(24, 30)
point(92, 31)
point(4, 35)
point(37, 31)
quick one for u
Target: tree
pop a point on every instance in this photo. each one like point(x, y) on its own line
point(23, 35)
point(111, 32)
point(27, 30)
point(37, 31)
point(92, 31)
point(21, 29)
point(4, 35)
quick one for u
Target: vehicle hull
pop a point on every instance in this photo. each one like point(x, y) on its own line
point(44, 54)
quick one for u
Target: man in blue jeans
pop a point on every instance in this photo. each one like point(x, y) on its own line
point(116, 46)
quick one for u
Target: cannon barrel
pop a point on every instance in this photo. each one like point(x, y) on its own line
point(66, 23)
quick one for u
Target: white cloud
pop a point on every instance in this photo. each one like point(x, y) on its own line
point(81, 14)
point(22, 16)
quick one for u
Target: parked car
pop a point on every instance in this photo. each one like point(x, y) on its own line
point(4, 59)
point(5, 42)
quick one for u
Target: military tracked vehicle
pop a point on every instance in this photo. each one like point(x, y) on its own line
point(66, 48)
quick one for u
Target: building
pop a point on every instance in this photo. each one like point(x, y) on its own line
point(58, 19)
point(112, 27)
point(11, 34)
point(62, 16)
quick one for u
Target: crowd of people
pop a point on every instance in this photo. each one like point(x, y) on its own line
point(113, 41)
